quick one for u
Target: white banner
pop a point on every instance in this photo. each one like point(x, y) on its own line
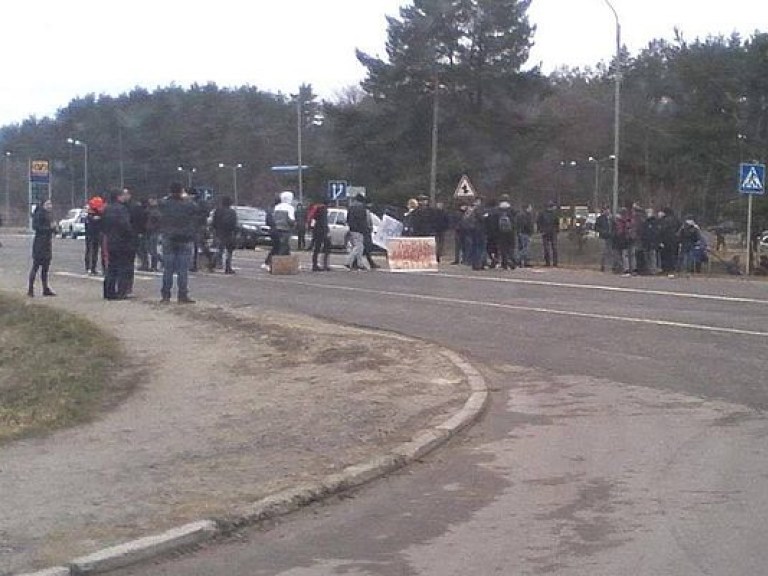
point(388, 228)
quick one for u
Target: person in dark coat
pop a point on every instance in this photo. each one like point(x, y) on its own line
point(321, 238)
point(121, 247)
point(153, 233)
point(178, 227)
point(42, 248)
point(668, 242)
point(224, 224)
point(548, 224)
point(502, 229)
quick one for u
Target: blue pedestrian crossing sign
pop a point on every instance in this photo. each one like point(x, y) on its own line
point(337, 189)
point(752, 179)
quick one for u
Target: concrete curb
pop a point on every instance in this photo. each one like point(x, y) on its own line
point(291, 499)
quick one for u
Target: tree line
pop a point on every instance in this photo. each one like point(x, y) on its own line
point(691, 111)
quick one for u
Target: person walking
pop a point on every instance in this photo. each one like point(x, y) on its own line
point(357, 220)
point(321, 239)
point(178, 229)
point(121, 247)
point(224, 224)
point(548, 223)
point(42, 248)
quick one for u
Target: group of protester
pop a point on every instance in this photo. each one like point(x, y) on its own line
point(486, 234)
point(168, 233)
point(644, 241)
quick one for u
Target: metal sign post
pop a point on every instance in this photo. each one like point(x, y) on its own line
point(751, 183)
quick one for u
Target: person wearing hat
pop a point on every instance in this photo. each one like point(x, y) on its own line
point(502, 229)
point(178, 227)
point(548, 224)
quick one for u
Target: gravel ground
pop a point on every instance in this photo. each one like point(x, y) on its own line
point(232, 405)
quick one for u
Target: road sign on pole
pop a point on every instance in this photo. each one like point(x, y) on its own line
point(752, 179)
point(337, 189)
point(751, 183)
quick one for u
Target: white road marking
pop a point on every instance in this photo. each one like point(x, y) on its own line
point(534, 309)
point(606, 288)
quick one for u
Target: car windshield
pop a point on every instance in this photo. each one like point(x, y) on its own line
point(251, 214)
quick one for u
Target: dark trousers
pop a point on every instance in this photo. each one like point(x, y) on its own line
point(43, 266)
point(550, 248)
point(321, 243)
point(459, 253)
point(92, 253)
point(506, 248)
point(301, 234)
point(119, 276)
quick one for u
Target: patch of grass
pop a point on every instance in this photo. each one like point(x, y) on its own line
point(56, 369)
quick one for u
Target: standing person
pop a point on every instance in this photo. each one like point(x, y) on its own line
point(622, 240)
point(410, 208)
point(224, 224)
point(301, 227)
point(689, 237)
point(357, 220)
point(442, 224)
point(284, 217)
point(138, 218)
point(42, 248)
point(321, 238)
point(524, 227)
point(93, 231)
point(636, 221)
point(153, 233)
point(274, 236)
point(605, 227)
point(668, 242)
point(502, 223)
point(178, 228)
point(650, 242)
point(121, 247)
point(200, 242)
point(477, 226)
point(548, 223)
point(456, 219)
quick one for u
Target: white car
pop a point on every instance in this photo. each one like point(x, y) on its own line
point(337, 224)
point(762, 244)
point(73, 224)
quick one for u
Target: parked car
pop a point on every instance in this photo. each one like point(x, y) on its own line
point(762, 244)
point(252, 226)
point(73, 224)
point(337, 224)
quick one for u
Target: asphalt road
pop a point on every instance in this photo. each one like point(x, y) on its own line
point(626, 431)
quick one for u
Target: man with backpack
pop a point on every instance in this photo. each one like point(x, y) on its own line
point(502, 229)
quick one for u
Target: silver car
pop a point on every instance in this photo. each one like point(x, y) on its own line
point(337, 224)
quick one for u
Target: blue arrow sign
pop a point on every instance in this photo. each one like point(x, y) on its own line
point(337, 189)
point(752, 179)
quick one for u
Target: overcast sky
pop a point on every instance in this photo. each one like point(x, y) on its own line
point(55, 50)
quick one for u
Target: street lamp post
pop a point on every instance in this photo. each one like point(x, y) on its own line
point(8, 187)
point(234, 168)
point(435, 127)
point(298, 145)
point(84, 146)
point(616, 111)
point(189, 172)
point(597, 162)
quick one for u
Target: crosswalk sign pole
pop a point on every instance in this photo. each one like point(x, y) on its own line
point(749, 235)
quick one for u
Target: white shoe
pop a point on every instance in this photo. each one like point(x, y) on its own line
point(265, 267)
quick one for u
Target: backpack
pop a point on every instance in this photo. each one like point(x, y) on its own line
point(505, 223)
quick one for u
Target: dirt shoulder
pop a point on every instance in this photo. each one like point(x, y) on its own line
point(232, 405)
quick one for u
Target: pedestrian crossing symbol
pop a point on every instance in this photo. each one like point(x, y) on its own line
point(752, 179)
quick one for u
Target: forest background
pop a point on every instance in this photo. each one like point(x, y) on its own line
point(692, 110)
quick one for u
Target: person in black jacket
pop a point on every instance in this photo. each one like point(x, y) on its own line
point(502, 228)
point(321, 238)
point(548, 223)
point(121, 247)
point(42, 248)
point(224, 226)
point(357, 220)
point(178, 227)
